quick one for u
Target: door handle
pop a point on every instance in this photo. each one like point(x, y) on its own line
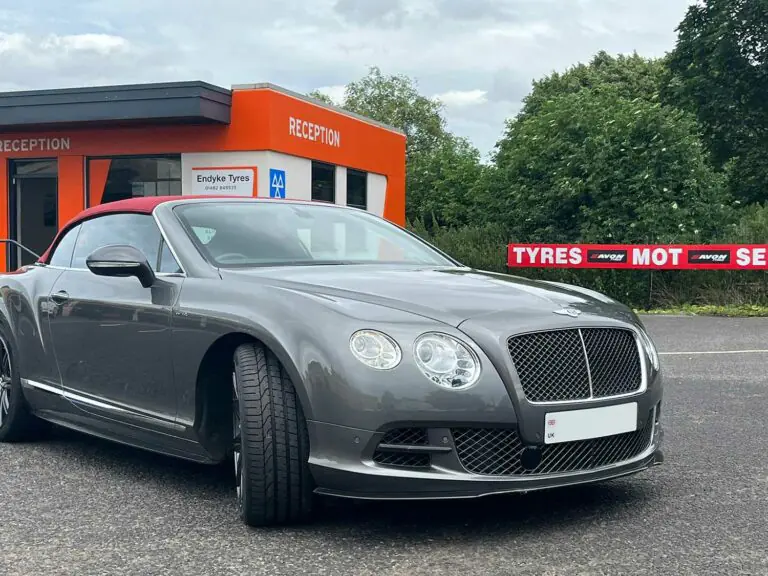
point(60, 297)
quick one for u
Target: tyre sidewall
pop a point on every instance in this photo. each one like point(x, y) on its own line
point(276, 483)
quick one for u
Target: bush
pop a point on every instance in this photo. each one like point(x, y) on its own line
point(596, 167)
point(485, 248)
point(481, 247)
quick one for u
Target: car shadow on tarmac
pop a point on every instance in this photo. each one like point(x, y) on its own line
point(468, 519)
point(479, 518)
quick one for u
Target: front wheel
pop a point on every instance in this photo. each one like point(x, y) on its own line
point(271, 442)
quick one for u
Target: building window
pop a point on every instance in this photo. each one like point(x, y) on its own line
point(357, 189)
point(111, 179)
point(323, 182)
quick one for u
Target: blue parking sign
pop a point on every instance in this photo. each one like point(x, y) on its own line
point(276, 183)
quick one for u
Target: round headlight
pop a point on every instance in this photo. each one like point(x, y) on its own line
point(375, 349)
point(446, 361)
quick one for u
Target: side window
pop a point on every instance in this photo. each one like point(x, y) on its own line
point(62, 254)
point(168, 263)
point(137, 230)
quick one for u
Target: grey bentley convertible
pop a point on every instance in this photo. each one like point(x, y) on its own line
point(323, 351)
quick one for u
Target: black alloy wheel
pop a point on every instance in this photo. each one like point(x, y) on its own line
point(6, 384)
point(237, 444)
point(17, 424)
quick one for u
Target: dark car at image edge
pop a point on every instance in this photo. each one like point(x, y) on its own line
point(322, 351)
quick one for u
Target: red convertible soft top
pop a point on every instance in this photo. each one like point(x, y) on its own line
point(142, 205)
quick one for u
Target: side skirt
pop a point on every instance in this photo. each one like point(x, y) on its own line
point(114, 423)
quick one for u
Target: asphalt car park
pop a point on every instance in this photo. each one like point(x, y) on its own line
point(77, 505)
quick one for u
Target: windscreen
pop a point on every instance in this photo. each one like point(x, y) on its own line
point(246, 234)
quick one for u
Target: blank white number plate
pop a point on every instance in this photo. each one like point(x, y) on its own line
point(590, 423)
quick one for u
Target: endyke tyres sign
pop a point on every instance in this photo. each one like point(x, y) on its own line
point(634, 256)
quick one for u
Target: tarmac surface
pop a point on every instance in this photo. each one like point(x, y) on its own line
point(82, 506)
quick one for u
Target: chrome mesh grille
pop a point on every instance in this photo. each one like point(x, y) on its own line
point(551, 365)
point(576, 364)
point(614, 362)
point(497, 451)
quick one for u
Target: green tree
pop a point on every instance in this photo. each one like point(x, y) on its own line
point(720, 67)
point(596, 166)
point(324, 98)
point(444, 183)
point(632, 76)
point(441, 169)
point(396, 100)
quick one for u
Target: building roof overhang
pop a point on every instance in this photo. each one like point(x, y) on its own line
point(161, 103)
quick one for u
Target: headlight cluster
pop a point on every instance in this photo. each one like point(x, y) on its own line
point(650, 349)
point(445, 360)
point(375, 349)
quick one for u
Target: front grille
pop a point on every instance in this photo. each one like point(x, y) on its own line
point(403, 437)
point(576, 364)
point(498, 451)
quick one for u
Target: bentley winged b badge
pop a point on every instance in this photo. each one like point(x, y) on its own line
point(572, 312)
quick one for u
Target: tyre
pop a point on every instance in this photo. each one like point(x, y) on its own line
point(271, 442)
point(17, 424)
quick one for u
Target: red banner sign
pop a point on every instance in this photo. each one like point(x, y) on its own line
point(639, 256)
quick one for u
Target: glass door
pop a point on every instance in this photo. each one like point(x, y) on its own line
point(33, 208)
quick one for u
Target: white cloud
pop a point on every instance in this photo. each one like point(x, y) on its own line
point(103, 44)
point(529, 31)
point(461, 98)
point(69, 59)
point(480, 56)
point(335, 93)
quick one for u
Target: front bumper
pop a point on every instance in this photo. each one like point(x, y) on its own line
point(444, 462)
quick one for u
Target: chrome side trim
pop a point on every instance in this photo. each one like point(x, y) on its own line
point(156, 419)
point(67, 269)
point(83, 399)
point(71, 396)
point(40, 386)
point(112, 264)
point(91, 402)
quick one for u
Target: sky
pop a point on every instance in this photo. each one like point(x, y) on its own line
point(478, 57)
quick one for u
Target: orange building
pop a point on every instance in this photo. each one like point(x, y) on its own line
point(65, 150)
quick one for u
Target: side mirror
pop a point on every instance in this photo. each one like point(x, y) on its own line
point(121, 261)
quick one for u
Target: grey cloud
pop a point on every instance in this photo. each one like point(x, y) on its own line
point(509, 86)
point(519, 11)
point(473, 9)
point(484, 124)
point(366, 12)
point(496, 46)
point(57, 61)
